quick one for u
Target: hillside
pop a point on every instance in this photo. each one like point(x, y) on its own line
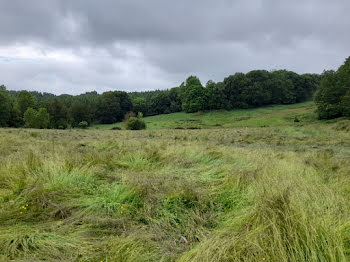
point(278, 115)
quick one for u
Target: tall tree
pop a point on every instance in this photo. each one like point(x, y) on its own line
point(194, 95)
point(140, 105)
point(5, 107)
point(24, 101)
point(258, 93)
point(58, 114)
point(113, 106)
point(332, 95)
point(79, 112)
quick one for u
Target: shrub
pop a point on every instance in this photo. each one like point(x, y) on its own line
point(83, 124)
point(135, 123)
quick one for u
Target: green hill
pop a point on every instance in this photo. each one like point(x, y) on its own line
point(278, 115)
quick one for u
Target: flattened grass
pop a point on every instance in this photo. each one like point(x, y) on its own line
point(277, 193)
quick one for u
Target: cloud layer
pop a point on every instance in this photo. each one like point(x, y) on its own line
point(64, 46)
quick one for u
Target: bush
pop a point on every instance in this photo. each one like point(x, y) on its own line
point(135, 123)
point(83, 124)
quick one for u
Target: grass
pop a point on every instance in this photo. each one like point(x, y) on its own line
point(276, 115)
point(256, 192)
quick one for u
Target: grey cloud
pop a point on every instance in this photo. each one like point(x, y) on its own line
point(142, 45)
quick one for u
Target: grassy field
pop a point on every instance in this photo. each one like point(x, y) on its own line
point(261, 188)
point(277, 115)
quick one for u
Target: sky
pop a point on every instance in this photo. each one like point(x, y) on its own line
point(77, 46)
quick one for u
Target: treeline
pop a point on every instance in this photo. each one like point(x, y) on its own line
point(333, 95)
point(254, 89)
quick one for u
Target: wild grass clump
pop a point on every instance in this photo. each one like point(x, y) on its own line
point(28, 244)
point(273, 231)
point(343, 125)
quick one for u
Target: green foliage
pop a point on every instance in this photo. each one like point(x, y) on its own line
point(43, 118)
point(332, 96)
point(80, 112)
point(160, 104)
point(16, 119)
point(5, 107)
point(135, 123)
point(24, 101)
point(239, 91)
point(30, 118)
point(113, 106)
point(194, 95)
point(83, 125)
point(36, 119)
point(140, 105)
point(58, 114)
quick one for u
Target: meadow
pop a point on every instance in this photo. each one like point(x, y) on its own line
point(245, 185)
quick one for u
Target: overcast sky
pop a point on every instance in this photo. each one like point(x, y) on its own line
point(74, 46)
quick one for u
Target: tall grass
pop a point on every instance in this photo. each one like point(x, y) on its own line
point(244, 194)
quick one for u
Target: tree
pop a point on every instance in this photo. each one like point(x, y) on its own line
point(113, 106)
point(194, 95)
point(258, 93)
point(24, 101)
point(30, 118)
point(332, 96)
point(234, 88)
point(175, 100)
point(58, 114)
point(281, 88)
point(212, 95)
point(160, 103)
point(140, 105)
point(5, 107)
point(79, 112)
point(16, 119)
point(43, 118)
point(36, 119)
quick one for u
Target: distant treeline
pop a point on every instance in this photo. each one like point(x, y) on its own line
point(254, 89)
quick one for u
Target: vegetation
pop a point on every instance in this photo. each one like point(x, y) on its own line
point(239, 91)
point(135, 123)
point(248, 193)
point(276, 115)
point(36, 119)
point(333, 95)
point(83, 124)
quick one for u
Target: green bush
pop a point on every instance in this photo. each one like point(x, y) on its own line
point(135, 123)
point(83, 124)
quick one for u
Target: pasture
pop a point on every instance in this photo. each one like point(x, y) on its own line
point(249, 185)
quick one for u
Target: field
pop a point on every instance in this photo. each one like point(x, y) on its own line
point(261, 117)
point(249, 185)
